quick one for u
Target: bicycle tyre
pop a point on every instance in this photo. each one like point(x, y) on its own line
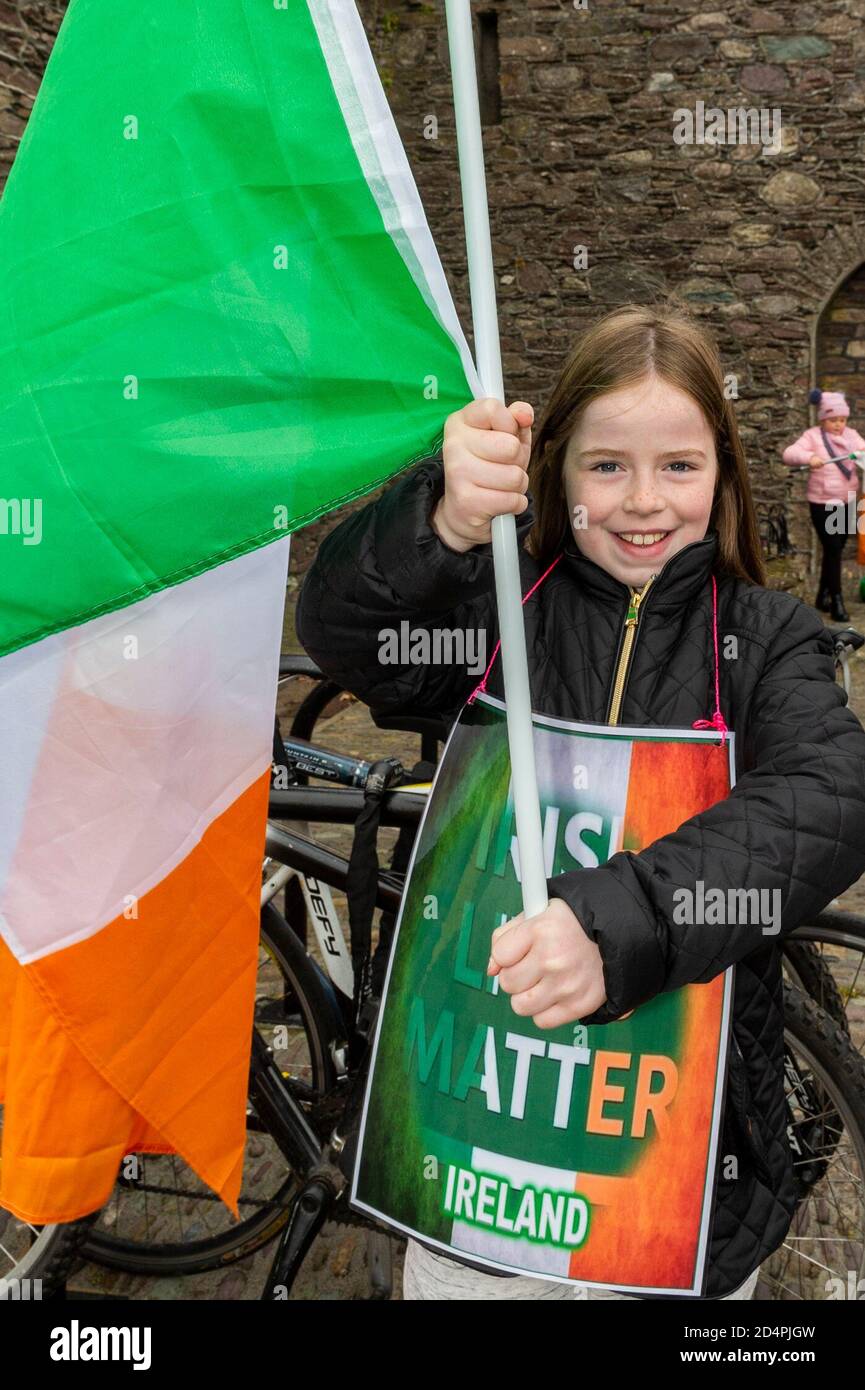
point(843, 931)
point(813, 976)
point(244, 1239)
point(308, 711)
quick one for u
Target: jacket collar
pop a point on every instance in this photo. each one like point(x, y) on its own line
point(678, 582)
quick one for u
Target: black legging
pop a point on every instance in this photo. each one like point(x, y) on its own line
point(832, 547)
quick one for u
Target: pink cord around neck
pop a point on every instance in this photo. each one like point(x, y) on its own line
point(482, 685)
point(717, 721)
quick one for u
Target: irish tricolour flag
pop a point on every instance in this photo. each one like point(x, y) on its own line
point(222, 314)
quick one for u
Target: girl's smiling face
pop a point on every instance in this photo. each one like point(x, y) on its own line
point(641, 468)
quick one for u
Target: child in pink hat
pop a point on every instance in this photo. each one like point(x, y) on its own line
point(833, 480)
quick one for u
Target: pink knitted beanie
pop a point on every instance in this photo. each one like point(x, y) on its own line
point(830, 403)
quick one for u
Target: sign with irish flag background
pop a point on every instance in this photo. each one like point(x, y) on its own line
point(581, 1153)
point(221, 314)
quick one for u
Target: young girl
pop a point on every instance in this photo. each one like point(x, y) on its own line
point(640, 496)
point(829, 482)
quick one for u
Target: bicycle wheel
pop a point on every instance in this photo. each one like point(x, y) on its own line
point(825, 1089)
point(834, 971)
point(165, 1221)
point(35, 1260)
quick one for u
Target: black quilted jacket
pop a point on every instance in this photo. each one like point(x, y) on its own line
point(795, 819)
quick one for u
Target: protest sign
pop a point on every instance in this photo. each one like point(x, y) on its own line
point(578, 1153)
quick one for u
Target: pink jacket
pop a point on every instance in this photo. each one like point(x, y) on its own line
point(827, 484)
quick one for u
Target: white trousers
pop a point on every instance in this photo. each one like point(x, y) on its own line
point(427, 1275)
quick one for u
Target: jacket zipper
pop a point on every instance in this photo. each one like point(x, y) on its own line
point(626, 647)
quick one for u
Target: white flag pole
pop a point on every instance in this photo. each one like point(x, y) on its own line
point(489, 364)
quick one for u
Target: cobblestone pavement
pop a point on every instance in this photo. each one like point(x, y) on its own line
point(337, 1266)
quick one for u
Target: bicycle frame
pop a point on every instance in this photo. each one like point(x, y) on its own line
point(317, 869)
point(322, 911)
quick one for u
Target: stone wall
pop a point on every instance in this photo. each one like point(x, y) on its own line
point(580, 108)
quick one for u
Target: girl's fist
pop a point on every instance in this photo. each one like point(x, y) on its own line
point(486, 454)
point(552, 970)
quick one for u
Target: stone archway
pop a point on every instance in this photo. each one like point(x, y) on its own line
point(838, 361)
point(839, 343)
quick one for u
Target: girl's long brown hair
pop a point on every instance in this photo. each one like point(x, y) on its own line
point(620, 350)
